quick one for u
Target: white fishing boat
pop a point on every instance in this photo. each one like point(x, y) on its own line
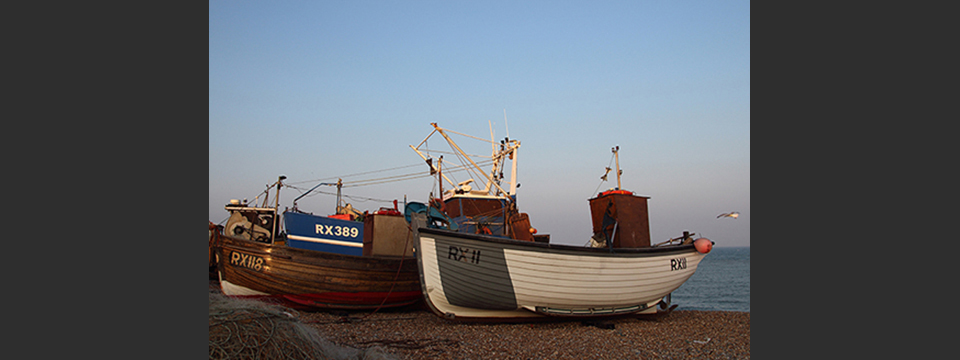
point(479, 275)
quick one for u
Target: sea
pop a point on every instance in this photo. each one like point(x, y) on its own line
point(721, 283)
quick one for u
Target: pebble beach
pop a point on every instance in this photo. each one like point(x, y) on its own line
point(423, 335)
point(416, 333)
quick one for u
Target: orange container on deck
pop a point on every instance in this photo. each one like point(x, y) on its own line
point(342, 216)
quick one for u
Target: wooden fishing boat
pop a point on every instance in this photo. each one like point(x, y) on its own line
point(215, 231)
point(474, 275)
point(325, 262)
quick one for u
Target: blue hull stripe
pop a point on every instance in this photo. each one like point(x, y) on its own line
point(320, 233)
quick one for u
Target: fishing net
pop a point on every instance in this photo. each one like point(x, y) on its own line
point(249, 329)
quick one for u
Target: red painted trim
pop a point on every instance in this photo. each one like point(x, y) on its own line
point(343, 300)
point(354, 299)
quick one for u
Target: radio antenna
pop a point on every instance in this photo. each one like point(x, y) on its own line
point(505, 122)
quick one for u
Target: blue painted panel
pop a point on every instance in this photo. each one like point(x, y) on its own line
point(321, 233)
point(467, 225)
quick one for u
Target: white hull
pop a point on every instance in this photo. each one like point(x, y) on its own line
point(472, 277)
point(231, 289)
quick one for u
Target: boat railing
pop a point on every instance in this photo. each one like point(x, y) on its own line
point(686, 238)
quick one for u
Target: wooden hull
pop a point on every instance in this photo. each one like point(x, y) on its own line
point(215, 231)
point(314, 279)
point(472, 277)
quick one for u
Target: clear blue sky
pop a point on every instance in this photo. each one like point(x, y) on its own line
point(320, 90)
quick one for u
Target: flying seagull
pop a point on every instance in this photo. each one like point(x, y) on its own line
point(730, 214)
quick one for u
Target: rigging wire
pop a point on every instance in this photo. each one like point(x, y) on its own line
point(471, 172)
point(352, 197)
point(470, 136)
point(602, 179)
point(402, 177)
point(382, 180)
point(388, 179)
point(453, 168)
point(452, 153)
point(357, 174)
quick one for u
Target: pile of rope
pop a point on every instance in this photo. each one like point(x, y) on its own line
point(248, 329)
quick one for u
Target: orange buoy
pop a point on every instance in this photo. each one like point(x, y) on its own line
point(533, 231)
point(703, 245)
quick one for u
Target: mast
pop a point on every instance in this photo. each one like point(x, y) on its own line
point(513, 170)
point(493, 152)
point(493, 144)
point(513, 157)
point(276, 209)
point(276, 204)
point(440, 182)
point(617, 155)
point(339, 186)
